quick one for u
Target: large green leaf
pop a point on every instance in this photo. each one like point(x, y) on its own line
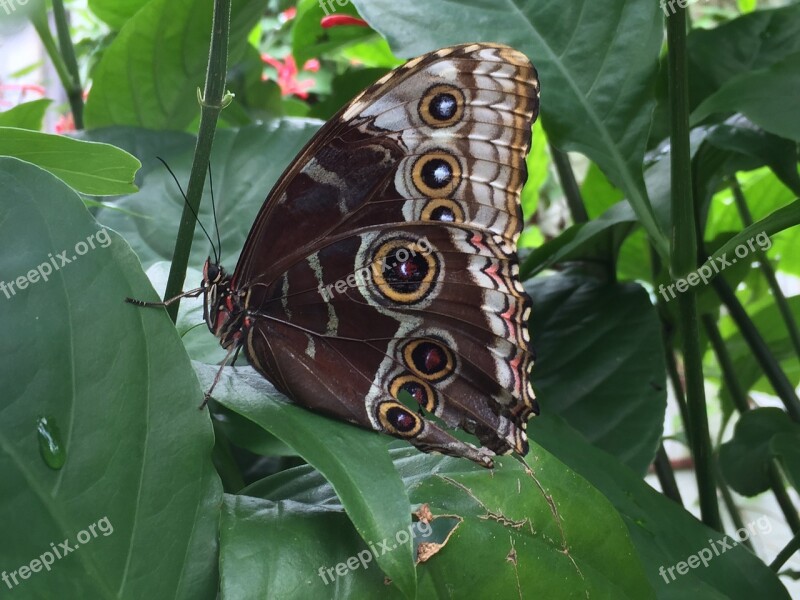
point(355, 461)
point(149, 74)
point(541, 532)
point(752, 42)
point(767, 96)
point(28, 115)
point(282, 547)
point(663, 532)
point(745, 458)
point(600, 363)
point(119, 398)
point(596, 63)
point(116, 12)
point(89, 168)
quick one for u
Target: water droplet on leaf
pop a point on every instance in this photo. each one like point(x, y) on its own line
point(50, 444)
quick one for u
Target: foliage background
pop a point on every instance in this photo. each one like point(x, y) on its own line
point(255, 495)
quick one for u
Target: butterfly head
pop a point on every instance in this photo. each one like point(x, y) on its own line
point(222, 308)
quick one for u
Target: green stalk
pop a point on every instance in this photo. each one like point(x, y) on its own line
point(768, 271)
point(785, 554)
point(74, 88)
point(211, 104)
point(740, 401)
point(39, 22)
point(730, 504)
point(683, 257)
point(782, 496)
point(777, 378)
point(572, 191)
point(666, 476)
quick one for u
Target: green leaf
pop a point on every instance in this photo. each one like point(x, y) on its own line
point(149, 75)
point(745, 458)
point(537, 162)
point(87, 167)
point(600, 363)
point(310, 40)
point(115, 383)
point(28, 115)
point(116, 12)
point(783, 218)
point(768, 97)
point(663, 533)
point(742, 137)
point(281, 547)
point(355, 461)
point(596, 64)
point(541, 532)
point(752, 42)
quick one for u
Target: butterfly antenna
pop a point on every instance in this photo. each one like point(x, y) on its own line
point(214, 210)
point(196, 218)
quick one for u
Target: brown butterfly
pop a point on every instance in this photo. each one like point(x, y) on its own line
point(384, 259)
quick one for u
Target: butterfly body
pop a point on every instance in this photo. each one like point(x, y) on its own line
point(385, 259)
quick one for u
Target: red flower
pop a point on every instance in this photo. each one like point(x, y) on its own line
point(288, 14)
point(65, 123)
point(287, 75)
point(337, 20)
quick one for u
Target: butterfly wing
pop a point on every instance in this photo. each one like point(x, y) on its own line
point(385, 257)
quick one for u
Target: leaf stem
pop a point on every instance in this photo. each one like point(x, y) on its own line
point(666, 476)
point(767, 270)
point(73, 87)
point(785, 554)
point(739, 397)
point(683, 259)
point(211, 104)
point(777, 378)
point(572, 192)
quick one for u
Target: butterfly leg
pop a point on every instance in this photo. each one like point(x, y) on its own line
point(207, 396)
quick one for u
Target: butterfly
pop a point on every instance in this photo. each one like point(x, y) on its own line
point(382, 266)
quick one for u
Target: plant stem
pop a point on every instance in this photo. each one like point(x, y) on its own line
point(785, 554)
point(739, 398)
point(666, 476)
point(211, 105)
point(572, 192)
point(782, 496)
point(683, 257)
point(777, 378)
point(40, 24)
point(725, 363)
point(730, 504)
point(768, 271)
point(74, 88)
